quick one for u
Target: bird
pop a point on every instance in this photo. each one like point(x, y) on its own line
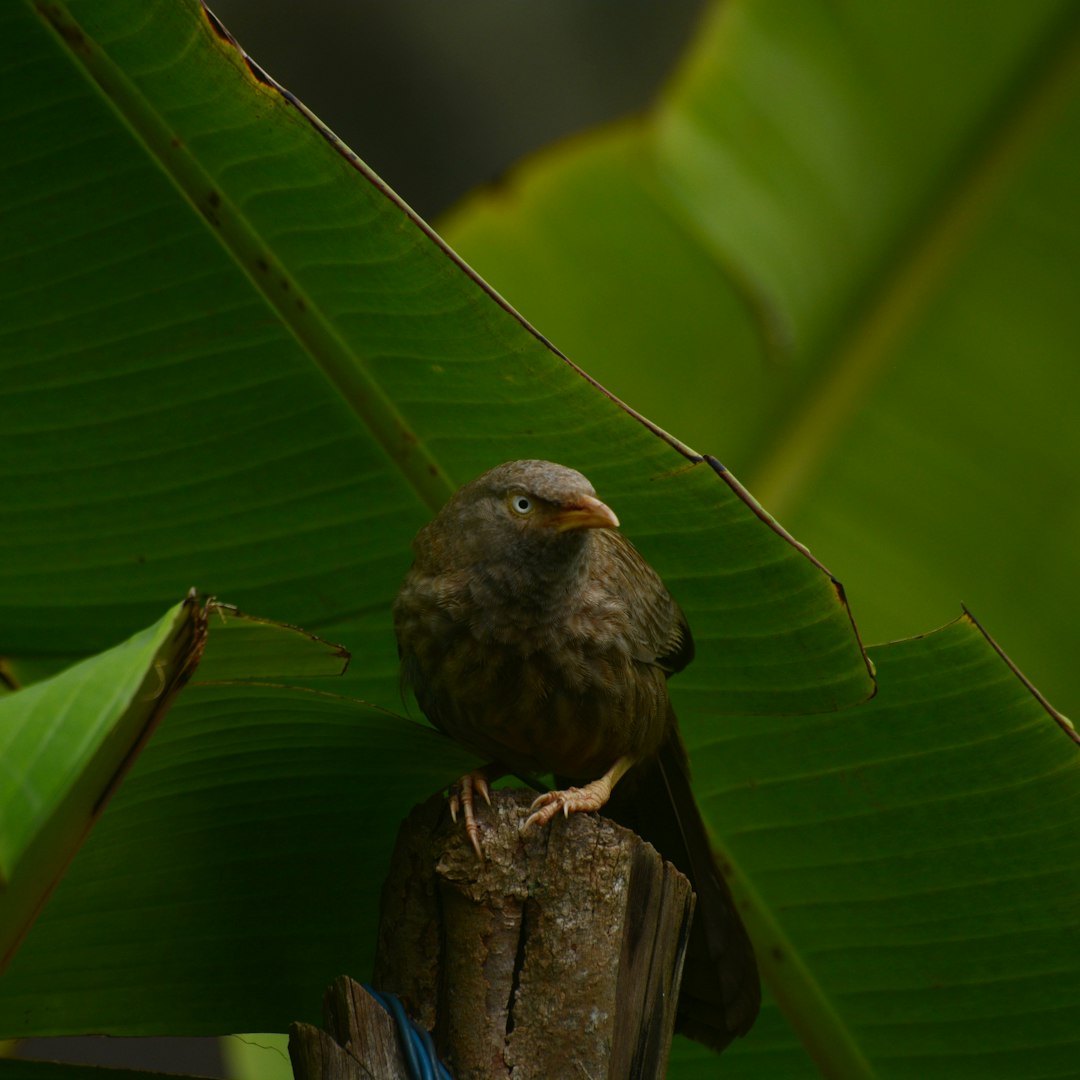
point(533, 632)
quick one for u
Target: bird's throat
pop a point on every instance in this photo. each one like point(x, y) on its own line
point(535, 585)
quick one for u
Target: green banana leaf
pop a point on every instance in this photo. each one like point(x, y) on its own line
point(852, 233)
point(909, 872)
point(66, 743)
point(252, 337)
point(842, 252)
point(232, 357)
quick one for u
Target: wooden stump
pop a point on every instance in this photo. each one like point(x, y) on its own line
point(360, 1041)
point(558, 955)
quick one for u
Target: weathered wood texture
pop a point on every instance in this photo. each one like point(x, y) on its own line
point(360, 1041)
point(558, 955)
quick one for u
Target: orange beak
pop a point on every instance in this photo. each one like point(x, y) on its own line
point(584, 513)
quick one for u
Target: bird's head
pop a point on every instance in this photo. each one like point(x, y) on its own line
point(522, 511)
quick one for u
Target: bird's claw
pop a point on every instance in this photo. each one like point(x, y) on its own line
point(570, 801)
point(461, 799)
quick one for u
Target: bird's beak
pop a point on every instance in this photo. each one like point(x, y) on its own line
point(584, 513)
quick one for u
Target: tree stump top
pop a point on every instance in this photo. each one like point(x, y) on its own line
point(557, 955)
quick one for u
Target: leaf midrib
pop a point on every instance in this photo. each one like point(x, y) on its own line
point(294, 308)
point(870, 331)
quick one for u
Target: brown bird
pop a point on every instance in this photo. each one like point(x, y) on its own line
point(537, 636)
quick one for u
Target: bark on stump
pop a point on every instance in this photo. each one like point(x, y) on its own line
point(558, 955)
point(360, 1041)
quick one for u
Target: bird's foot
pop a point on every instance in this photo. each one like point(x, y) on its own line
point(461, 799)
point(570, 801)
point(576, 800)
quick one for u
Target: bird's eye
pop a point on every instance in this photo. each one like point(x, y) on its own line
point(520, 504)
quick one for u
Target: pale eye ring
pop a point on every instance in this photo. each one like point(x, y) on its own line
point(521, 504)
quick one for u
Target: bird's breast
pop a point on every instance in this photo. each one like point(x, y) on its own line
point(552, 688)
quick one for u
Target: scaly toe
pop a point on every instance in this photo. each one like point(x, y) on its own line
point(547, 806)
point(461, 799)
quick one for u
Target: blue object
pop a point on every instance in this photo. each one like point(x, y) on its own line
point(419, 1047)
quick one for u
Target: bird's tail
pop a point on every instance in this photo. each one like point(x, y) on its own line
point(720, 993)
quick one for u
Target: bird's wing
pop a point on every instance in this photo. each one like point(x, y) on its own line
point(680, 649)
point(662, 631)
